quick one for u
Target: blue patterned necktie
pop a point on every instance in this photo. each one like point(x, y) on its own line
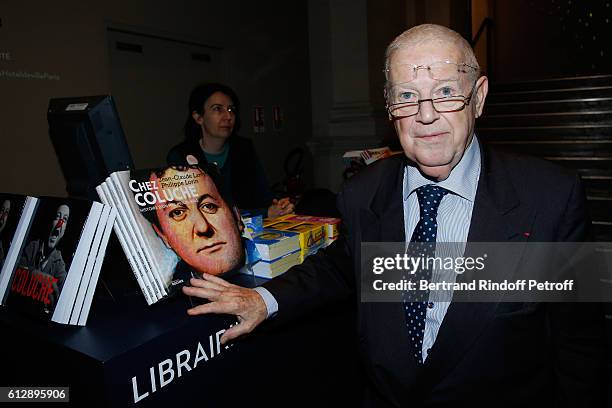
point(423, 244)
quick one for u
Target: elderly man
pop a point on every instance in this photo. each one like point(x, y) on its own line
point(451, 354)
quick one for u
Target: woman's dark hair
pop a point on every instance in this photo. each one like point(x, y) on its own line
point(199, 96)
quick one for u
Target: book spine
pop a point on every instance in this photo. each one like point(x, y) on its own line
point(124, 215)
point(68, 294)
point(91, 259)
point(17, 245)
point(118, 227)
point(93, 282)
point(124, 195)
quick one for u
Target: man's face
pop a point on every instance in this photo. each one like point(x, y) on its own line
point(4, 213)
point(202, 230)
point(435, 141)
point(218, 118)
point(58, 225)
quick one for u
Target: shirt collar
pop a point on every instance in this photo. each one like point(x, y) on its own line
point(462, 180)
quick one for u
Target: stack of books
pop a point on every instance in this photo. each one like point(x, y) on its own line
point(331, 225)
point(286, 241)
point(51, 254)
point(136, 235)
point(311, 235)
point(277, 252)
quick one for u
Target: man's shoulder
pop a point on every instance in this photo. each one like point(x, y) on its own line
point(532, 178)
point(381, 173)
point(374, 187)
point(527, 169)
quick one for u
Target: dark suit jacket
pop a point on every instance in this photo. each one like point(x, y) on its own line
point(485, 354)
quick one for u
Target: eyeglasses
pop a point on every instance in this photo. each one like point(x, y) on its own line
point(410, 104)
point(439, 70)
point(231, 109)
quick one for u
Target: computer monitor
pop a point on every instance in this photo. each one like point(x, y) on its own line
point(88, 140)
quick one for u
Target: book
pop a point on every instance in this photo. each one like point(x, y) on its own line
point(108, 195)
point(355, 160)
point(312, 236)
point(173, 224)
point(368, 156)
point(332, 225)
point(87, 286)
point(15, 213)
point(50, 262)
point(275, 267)
point(272, 244)
point(93, 280)
point(252, 221)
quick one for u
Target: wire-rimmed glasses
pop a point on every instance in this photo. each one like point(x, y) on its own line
point(441, 104)
point(439, 70)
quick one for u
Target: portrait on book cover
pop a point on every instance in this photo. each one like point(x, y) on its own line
point(10, 212)
point(190, 215)
point(49, 247)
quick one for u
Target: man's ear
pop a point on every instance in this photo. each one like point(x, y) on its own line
point(161, 235)
point(197, 118)
point(480, 94)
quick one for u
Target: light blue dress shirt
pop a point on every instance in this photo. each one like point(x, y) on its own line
point(454, 218)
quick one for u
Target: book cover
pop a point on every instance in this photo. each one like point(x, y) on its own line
point(134, 252)
point(272, 244)
point(252, 222)
point(356, 160)
point(275, 267)
point(11, 209)
point(51, 263)
point(187, 226)
point(332, 225)
point(137, 228)
point(312, 236)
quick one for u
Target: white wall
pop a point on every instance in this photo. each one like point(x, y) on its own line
point(265, 51)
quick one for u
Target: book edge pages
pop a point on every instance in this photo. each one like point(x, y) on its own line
point(119, 231)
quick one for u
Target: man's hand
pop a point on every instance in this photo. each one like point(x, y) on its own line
point(280, 207)
point(246, 304)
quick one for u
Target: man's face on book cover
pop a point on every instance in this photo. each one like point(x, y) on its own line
point(201, 230)
point(58, 226)
point(4, 213)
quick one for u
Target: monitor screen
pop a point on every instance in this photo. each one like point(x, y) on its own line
point(88, 140)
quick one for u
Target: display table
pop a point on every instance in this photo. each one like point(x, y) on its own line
point(131, 354)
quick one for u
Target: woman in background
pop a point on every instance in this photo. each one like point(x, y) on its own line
point(210, 137)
